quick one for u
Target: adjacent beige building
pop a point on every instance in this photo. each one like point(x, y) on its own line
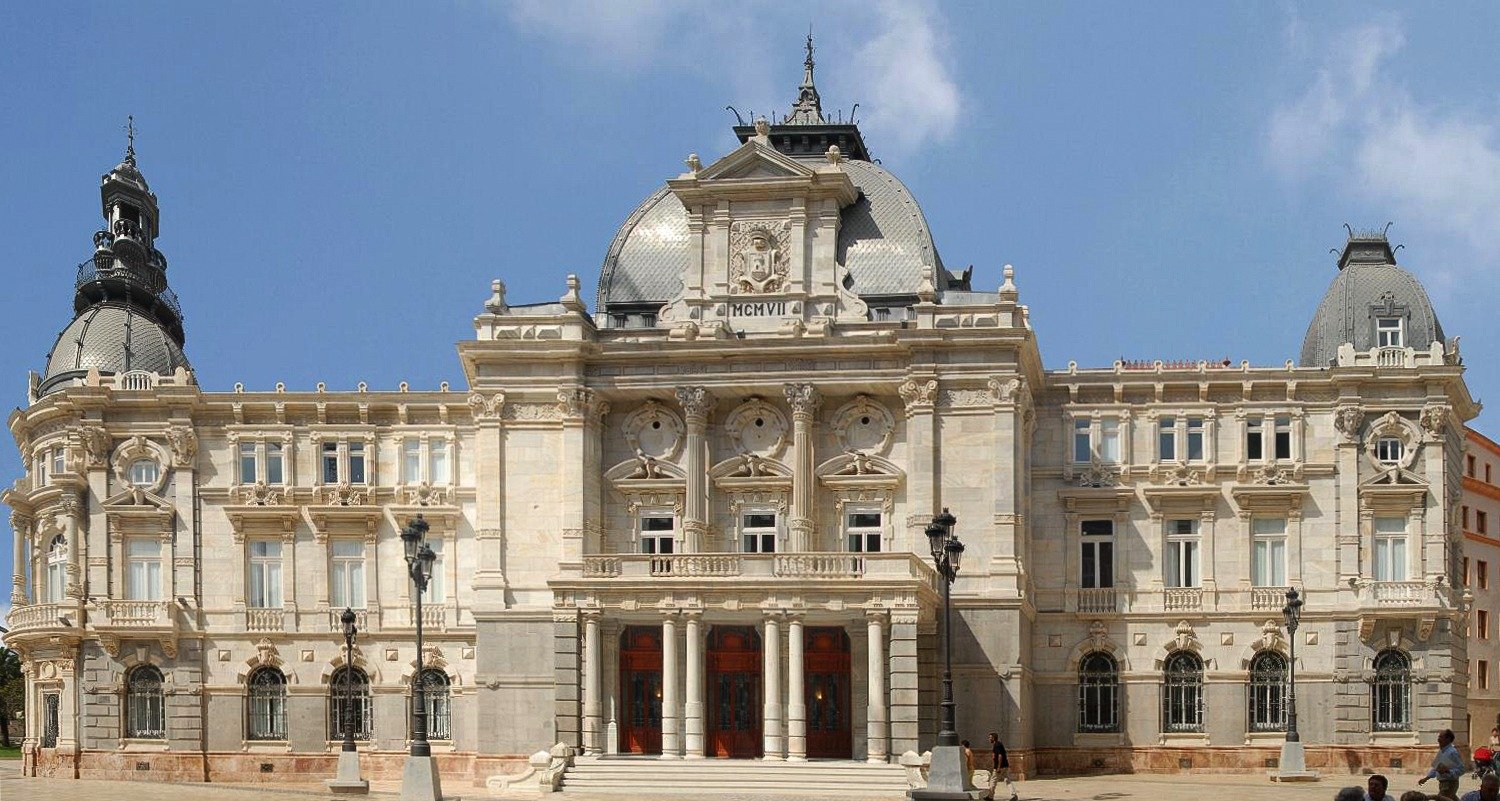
point(1480, 519)
point(690, 521)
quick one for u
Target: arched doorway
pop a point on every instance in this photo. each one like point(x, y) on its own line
point(734, 692)
point(826, 660)
point(640, 690)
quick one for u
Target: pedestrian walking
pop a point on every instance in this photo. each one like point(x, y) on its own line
point(968, 763)
point(999, 769)
point(1447, 766)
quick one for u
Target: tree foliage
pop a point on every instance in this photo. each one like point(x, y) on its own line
point(12, 692)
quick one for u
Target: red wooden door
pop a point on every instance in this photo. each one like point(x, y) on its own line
point(826, 665)
point(640, 690)
point(734, 692)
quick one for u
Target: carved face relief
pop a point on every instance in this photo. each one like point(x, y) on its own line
point(863, 426)
point(757, 428)
point(654, 432)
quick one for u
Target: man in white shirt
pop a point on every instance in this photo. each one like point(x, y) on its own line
point(1375, 789)
point(1447, 766)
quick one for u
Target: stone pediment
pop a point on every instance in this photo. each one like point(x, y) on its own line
point(645, 469)
point(855, 469)
point(748, 471)
point(753, 160)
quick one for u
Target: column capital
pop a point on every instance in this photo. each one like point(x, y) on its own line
point(877, 615)
point(804, 400)
point(697, 403)
point(591, 615)
point(691, 615)
point(918, 394)
point(486, 408)
point(773, 615)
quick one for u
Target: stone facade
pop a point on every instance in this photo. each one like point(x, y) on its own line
point(1480, 519)
point(699, 530)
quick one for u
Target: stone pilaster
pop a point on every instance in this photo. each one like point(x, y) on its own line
point(697, 407)
point(875, 714)
point(903, 667)
point(804, 400)
point(592, 683)
point(489, 507)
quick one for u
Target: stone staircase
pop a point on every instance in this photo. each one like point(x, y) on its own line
point(650, 776)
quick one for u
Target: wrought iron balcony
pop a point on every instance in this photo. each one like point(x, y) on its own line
point(104, 277)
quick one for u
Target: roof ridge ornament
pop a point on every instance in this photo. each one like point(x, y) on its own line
point(808, 110)
point(130, 139)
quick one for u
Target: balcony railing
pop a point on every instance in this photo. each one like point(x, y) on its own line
point(1399, 593)
point(263, 620)
point(1390, 356)
point(1097, 601)
point(1182, 599)
point(135, 614)
point(817, 564)
point(336, 620)
point(1267, 598)
point(90, 272)
point(36, 616)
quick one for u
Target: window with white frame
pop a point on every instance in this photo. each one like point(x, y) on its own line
point(348, 573)
point(1097, 554)
point(1268, 551)
point(1255, 439)
point(342, 462)
point(1166, 439)
point(1283, 440)
point(1390, 332)
point(436, 591)
point(1390, 548)
point(144, 473)
point(658, 532)
point(426, 460)
point(262, 462)
point(1096, 438)
point(1180, 439)
point(758, 532)
point(57, 569)
point(59, 459)
point(142, 569)
point(1182, 553)
point(1389, 450)
point(1195, 439)
point(265, 574)
point(863, 529)
point(1257, 449)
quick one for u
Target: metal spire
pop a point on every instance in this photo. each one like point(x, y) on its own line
point(130, 139)
point(808, 110)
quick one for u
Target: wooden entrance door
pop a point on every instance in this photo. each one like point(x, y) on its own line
point(826, 662)
point(734, 692)
point(640, 690)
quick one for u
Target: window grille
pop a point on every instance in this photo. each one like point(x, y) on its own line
point(1268, 692)
point(50, 703)
point(1098, 694)
point(437, 700)
point(144, 713)
point(265, 705)
point(1182, 693)
point(355, 688)
point(1390, 697)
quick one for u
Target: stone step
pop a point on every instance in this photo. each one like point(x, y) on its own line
point(688, 777)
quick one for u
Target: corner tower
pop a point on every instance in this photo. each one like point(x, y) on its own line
point(125, 317)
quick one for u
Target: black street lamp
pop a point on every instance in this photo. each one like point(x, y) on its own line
point(419, 781)
point(947, 554)
point(347, 618)
point(1292, 613)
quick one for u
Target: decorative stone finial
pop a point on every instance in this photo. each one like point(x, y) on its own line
point(1008, 289)
point(834, 155)
point(496, 303)
point(571, 298)
point(762, 128)
point(694, 164)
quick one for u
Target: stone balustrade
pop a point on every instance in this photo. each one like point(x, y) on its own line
point(1436, 355)
point(134, 615)
point(1098, 600)
point(1265, 599)
point(336, 622)
point(1400, 593)
point(36, 616)
point(760, 566)
point(1182, 599)
point(265, 620)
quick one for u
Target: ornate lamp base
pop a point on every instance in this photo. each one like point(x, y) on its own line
point(420, 781)
point(348, 782)
point(1292, 767)
point(947, 777)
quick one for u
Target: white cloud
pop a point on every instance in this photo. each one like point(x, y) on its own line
point(887, 56)
point(1358, 124)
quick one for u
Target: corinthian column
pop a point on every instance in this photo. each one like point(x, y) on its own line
point(21, 532)
point(697, 405)
point(804, 400)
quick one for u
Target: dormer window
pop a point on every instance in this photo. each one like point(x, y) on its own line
point(1390, 332)
point(1389, 450)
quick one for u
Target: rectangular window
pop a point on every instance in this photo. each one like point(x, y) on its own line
point(1389, 450)
point(1481, 522)
point(274, 462)
point(1166, 439)
point(1487, 474)
point(864, 531)
point(1482, 624)
point(1268, 560)
point(1283, 438)
point(758, 532)
point(265, 574)
point(658, 532)
point(437, 461)
point(1097, 557)
point(1484, 674)
point(249, 464)
point(1109, 440)
point(1388, 332)
point(435, 593)
point(356, 463)
point(349, 574)
point(1390, 549)
point(1195, 439)
point(143, 570)
point(59, 461)
point(1082, 448)
point(1182, 553)
point(1465, 515)
point(1254, 439)
point(1469, 465)
point(1466, 571)
point(40, 470)
point(411, 460)
point(330, 463)
point(1484, 574)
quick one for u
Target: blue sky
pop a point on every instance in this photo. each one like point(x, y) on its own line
point(339, 183)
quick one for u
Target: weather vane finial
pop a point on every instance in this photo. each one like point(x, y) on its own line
point(130, 139)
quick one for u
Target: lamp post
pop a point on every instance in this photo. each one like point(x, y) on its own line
point(947, 776)
point(1292, 766)
point(419, 781)
point(348, 780)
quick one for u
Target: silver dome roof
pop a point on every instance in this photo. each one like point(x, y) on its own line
point(884, 242)
point(1369, 285)
point(113, 338)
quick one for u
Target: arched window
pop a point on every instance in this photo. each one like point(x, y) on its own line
point(1268, 679)
point(265, 705)
point(349, 689)
point(57, 569)
point(1098, 693)
point(436, 697)
point(1390, 697)
point(144, 714)
point(1182, 693)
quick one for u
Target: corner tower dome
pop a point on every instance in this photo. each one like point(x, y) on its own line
point(126, 318)
point(1372, 303)
point(873, 247)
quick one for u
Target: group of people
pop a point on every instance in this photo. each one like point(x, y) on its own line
point(999, 767)
point(1447, 769)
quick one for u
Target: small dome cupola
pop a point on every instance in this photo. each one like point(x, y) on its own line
point(126, 317)
point(1372, 303)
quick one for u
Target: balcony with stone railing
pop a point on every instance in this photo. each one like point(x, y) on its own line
point(1097, 601)
point(133, 615)
point(757, 568)
point(336, 620)
point(33, 617)
point(1387, 357)
point(1267, 599)
point(1182, 599)
point(1399, 594)
point(265, 620)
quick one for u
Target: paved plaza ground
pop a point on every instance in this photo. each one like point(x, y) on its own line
point(1093, 788)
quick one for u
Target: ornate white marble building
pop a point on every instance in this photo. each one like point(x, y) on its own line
point(690, 523)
